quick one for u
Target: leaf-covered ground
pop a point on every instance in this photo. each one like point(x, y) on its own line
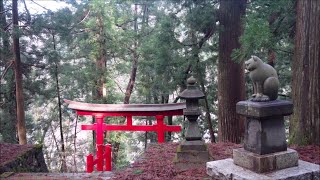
point(156, 163)
point(9, 152)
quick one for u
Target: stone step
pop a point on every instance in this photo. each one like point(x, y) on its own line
point(193, 156)
point(192, 146)
point(226, 169)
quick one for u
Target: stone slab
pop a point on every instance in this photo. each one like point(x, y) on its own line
point(192, 146)
point(264, 109)
point(265, 163)
point(193, 156)
point(226, 169)
point(182, 166)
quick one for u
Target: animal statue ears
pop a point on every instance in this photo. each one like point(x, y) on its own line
point(254, 58)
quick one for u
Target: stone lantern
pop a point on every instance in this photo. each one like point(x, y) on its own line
point(192, 95)
point(192, 152)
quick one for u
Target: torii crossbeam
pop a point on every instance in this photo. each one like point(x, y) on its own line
point(100, 111)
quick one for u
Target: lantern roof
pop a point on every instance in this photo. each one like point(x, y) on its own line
point(192, 91)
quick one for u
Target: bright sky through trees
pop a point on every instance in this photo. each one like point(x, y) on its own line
point(40, 6)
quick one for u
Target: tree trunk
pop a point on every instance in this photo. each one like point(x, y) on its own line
point(208, 116)
point(100, 91)
point(230, 74)
point(56, 74)
point(305, 122)
point(8, 121)
point(21, 127)
point(132, 79)
point(201, 76)
point(135, 58)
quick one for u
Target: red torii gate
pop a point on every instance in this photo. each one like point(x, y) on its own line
point(100, 111)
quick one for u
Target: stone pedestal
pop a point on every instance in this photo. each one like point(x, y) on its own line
point(265, 163)
point(265, 146)
point(265, 154)
point(191, 154)
point(264, 127)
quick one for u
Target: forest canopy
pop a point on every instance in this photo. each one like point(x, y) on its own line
point(142, 52)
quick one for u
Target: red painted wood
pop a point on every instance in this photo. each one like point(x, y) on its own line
point(99, 129)
point(129, 121)
point(128, 113)
point(100, 158)
point(89, 163)
point(111, 127)
point(160, 128)
point(99, 111)
point(108, 157)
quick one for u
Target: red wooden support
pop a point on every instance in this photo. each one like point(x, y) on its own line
point(89, 163)
point(160, 128)
point(99, 129)
point(100, 149)
point(108, 157)
point(129, 122)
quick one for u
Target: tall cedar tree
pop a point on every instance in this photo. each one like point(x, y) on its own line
point(7, 124)
point(135, 58)
point(305, 122)
point(56, 74)
point(21, 127)
point(230, 74)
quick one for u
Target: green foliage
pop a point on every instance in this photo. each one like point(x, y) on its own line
point(255, 39)
point(266, 27)
point(173, 39)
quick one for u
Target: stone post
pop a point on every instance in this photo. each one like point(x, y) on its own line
point(192, 152)
point(265, 146)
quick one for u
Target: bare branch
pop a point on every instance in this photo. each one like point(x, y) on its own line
point(6, 70)
point(2, 12)
point(40, 5)
point(84, 17)
point(7, 27)
point(28, 13)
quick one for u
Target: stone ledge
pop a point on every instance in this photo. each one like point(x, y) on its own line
point(265, 163)
point(182, 166)
point(193, 156)
point(192, 146)
point(264, 109)
point(226, 169)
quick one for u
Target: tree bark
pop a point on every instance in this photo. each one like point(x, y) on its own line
point(21, 127)
point(133, 74)
point(8, 124)
point(230, 74)
point(100, 91)
point(305, 122)
point(56, 74)
point(135, 58)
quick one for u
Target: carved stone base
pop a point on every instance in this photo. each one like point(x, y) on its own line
point(226, 169)
point(265, 163)
point(191, 154)
point(264, 127)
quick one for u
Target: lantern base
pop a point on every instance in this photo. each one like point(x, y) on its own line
point(191, 154)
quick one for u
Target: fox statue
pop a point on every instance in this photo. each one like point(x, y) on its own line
point(264, 78)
